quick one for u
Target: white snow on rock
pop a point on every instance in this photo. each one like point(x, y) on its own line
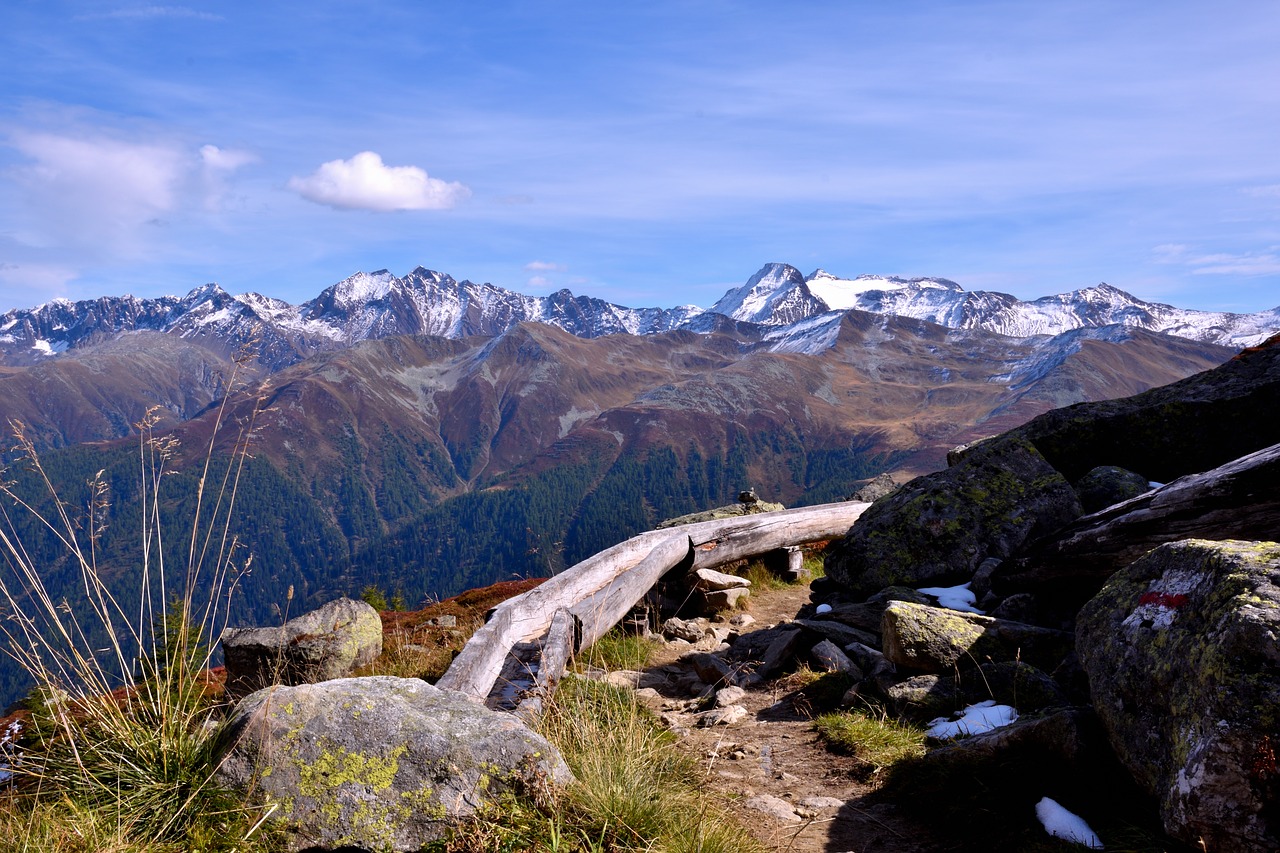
point(822, 608)
point(953, 597)
point(975, 719)
point(1066, 825)
point(841, 293)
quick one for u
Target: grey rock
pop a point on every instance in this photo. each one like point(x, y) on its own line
point(1182, 653)
point(720, 600)
point(726, 716)
point(938, 529)
point(710, 668)
point(377, 763)
point(774, 807)
point(870, 660)
point(730, 511)
point(1106, 485)
point(781, 653)
point(829, 657)
point(981, 583)
point(1019, 607)
point(925, 697)
point(709, 580)
point(934, 639)
point(689, 630)
point(838, 632)
point(330, 642)
point(879, 487)
point(727, 696)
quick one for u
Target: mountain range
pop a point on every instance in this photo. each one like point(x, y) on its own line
point(430, 436)
point(375, 305)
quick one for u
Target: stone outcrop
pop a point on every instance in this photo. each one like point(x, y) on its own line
point(938, 529)
point(933, 639)
point(1107, 485)
point(730, 511)
point(378, 763)
point(330, 642)
point(1182, 653)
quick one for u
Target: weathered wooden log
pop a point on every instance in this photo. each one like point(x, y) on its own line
point(601, 589)
point(1238, 500)
point(528, 615)
point(557, 649)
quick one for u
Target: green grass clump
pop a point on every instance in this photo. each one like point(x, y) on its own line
point(635, 789)
point(619, 650)
point(877, 741)
point(121, 746)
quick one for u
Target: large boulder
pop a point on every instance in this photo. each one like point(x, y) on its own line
point(938, 529)
point(1109, 484)
point(330, 642)
point(377, 763)
point(1182, 654)
point(935, 639)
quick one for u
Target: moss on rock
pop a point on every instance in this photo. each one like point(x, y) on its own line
point(1182, 653)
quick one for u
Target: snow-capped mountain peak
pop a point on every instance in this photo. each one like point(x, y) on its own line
point(801, 312)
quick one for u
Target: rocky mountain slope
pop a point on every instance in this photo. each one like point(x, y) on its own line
point(778, 294)
point(376, 305)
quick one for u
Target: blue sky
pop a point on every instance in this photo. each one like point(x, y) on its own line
point(650, 153)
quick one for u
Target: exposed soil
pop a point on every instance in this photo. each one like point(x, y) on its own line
point(776, 753)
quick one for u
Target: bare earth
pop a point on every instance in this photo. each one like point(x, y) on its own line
point(775, 753)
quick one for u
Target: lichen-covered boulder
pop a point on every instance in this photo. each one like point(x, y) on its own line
point(934, 639)
point(329, 642)
point(937, 529)
point(377, 763)
point(1107, 485)
point(1182, 654)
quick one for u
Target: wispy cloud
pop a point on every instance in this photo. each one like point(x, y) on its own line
point(97, 191)
point(150, 12)
point(218, 164)
point(1264, 262)
point(365, 183)
point(544, 266)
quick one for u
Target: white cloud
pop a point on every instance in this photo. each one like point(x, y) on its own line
point(225, 159)
point(544, 266)
point(1265, 262)
point(365, 183)
point(37, 282)
point(147, 12)
point(1265, 191)
point(219, 163)
point(539, 281)
point(96, 191)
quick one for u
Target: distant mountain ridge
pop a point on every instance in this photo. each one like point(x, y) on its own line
point(779, 294)
point(370, 306)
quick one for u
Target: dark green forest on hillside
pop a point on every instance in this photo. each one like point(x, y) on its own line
point(373, 521)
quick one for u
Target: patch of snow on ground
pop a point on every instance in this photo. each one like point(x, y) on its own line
point(823, 608)
point(1066, 825)
point(953, 597)
point(975, 719)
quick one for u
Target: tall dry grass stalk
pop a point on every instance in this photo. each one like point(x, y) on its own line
point(120, 721)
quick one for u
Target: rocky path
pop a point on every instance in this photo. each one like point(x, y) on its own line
point(787, 787)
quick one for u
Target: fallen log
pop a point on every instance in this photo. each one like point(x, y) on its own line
point(601, 589)
point(1238, 500)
